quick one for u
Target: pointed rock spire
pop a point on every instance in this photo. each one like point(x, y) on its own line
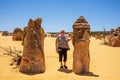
point(81, 23)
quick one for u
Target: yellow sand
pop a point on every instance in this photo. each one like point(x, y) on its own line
point(105, 62)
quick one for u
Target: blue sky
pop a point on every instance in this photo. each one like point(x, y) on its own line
point(59, 14)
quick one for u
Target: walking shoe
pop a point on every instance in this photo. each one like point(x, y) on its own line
point(61, 67)
point(65, 67)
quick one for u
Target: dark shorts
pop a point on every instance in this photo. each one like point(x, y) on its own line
point(63, 55)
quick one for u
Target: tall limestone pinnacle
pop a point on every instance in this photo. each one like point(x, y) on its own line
point(81, 22)
point(81, 56)
point(33, 59)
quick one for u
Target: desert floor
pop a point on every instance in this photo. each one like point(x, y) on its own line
point(104, 62)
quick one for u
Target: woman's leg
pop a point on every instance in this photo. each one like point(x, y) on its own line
point(65, 58)
point(65, 55)
point(60, 59)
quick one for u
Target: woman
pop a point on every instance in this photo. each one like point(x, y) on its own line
point(62, 47)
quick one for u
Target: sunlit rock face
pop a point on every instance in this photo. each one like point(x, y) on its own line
point(114, 39)
point(33, 60)
point(81, 56)
point(5, 33)
point(17, 34)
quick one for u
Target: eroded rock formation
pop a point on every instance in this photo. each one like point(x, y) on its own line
point(5, 33)
point(17, 34)
point(114, 39)
point(81, 56)
point(33, 60)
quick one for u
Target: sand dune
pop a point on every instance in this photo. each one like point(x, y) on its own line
point(105, 62)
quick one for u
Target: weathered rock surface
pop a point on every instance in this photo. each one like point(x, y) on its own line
point(81, 56)
point(17, 34)
point(5, 33)
point(114, 39)
point(33, 60)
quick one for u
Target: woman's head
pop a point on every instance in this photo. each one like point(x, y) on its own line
point(62, 32)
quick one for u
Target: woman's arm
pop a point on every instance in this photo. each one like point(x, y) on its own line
point(56, 45)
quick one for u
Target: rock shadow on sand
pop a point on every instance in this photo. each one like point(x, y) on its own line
point(91, 74)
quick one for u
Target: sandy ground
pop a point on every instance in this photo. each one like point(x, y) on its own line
point(105, 62)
